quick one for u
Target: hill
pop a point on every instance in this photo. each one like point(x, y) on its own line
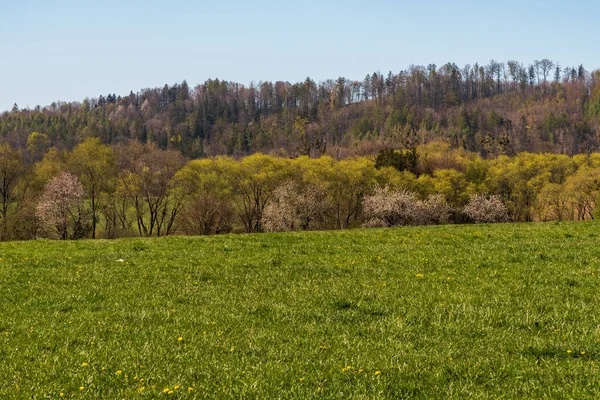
point(491, 311)
point(493, 109)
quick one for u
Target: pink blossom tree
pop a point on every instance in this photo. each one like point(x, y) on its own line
point(61, 207)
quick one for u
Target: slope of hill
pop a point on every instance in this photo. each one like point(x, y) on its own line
point(493, 109)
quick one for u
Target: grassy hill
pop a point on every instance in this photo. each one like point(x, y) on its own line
point(422, 312)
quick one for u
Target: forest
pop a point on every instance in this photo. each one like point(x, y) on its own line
point(482, 143)
point(493, 109)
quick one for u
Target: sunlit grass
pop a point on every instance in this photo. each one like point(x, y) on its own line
point(491, 311)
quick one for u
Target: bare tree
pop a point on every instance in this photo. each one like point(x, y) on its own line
point(545, 66)
point(146, 180)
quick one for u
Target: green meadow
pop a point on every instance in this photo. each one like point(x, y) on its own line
point(473, 311)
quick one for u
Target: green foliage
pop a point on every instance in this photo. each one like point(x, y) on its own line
point(403, 160)
point(592, 105)
point(136, 189)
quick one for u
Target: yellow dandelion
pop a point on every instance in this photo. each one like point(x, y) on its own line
point(190, 389)
point(301, 379)
point(419, 275)
point(176, 387)
point(377, 372)
point(119, 372)
point(569, 351)
point(84, 364)
point(61, 394)
point(583, 352)
point(166, 390)
point(180, 338)
point(81, 388)
point(170, 392)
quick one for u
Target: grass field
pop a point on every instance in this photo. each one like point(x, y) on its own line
point(495, 311)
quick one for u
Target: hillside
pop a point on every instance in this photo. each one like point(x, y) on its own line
point(493, 109)
point(506, 310)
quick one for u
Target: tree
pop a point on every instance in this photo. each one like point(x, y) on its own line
point(452, 184)
point(545, 67)
point(93, 163)
point(531, 75)
point(557, 73)
point(387, 208)
point(11, 169)
point(406, 160)
point(296, 208)
point(146, 180)
point(208, 206)
point(61, 207)
point(514, 70)
point(495, 70)
point(486, 209)
point(254, 179)
point(349, 181)
point(37, 145)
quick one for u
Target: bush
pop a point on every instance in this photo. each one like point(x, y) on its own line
point(436, 209)
point(486, 209)
point(296, 208)
point(392, 208)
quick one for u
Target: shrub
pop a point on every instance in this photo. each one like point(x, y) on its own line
point(486, 209)
point(436, 209)
point(392, 208)
point(296, 208)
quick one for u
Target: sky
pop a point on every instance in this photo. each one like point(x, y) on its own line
point(67, 50)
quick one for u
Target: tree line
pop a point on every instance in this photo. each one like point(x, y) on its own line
point(133, 189)
point(500, 108)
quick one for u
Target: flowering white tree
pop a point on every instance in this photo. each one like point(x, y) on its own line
point(296, 208)
point(61, 207)
point(436, 209)
point(392, 208)
point(401, 207)
point(486, 209)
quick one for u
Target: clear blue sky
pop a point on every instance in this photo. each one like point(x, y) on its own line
point(69, 50)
